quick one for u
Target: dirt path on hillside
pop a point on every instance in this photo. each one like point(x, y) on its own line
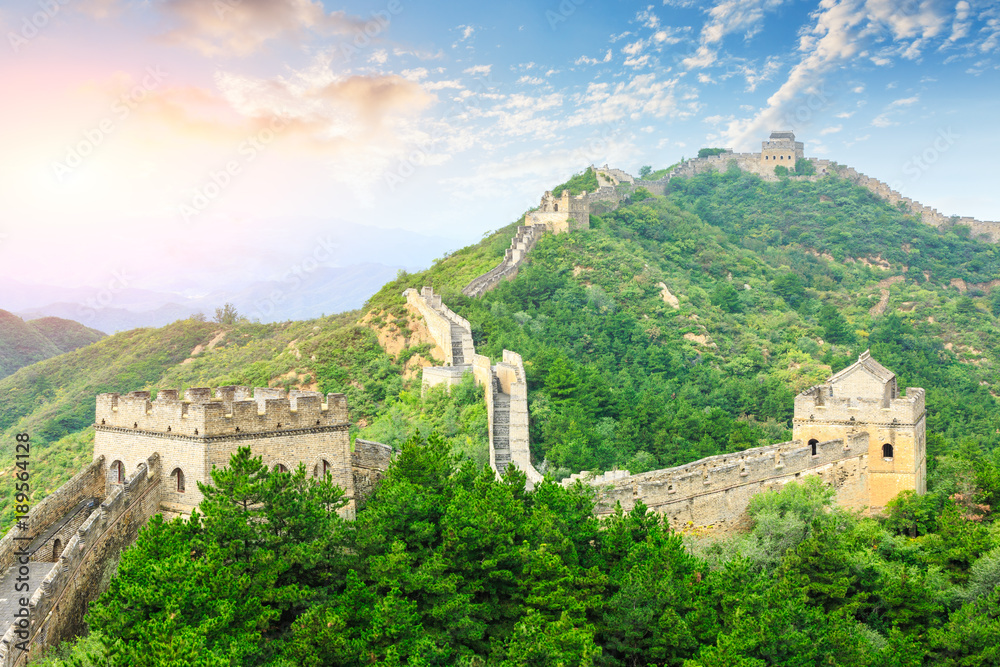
point(883, 303)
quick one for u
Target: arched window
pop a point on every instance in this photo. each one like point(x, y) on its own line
point(280, 468)
point(179, 475)
point(56, 550)
point(887, 451)
point(557, 207)
point(117, 473)
point(812, 445)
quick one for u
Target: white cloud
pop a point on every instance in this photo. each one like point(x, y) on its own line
point(845, 114)
point(478, 70)
point(727, 17)
point(905, 101)
point(961, 24)
point(635, 48)
point(648, 18)
point(531, 80)
point(883, 120)
point(833, 129)
point(242, 28)
point(415, 74)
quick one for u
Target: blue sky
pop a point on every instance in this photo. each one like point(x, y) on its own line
point(222, 137)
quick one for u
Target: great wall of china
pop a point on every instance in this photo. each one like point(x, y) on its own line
point(845, 445)
point(855, 432)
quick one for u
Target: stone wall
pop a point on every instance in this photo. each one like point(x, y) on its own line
point(990, 230)
point(287, 431)
point(84, 569)
point(754, 164)
point(716, 491)
point(899, 422)
point(87, 483)
point(369, 461)
point(49, 546)
point(451, 332)
point(512, 381)
point(522, 243)
point(432, 376)
point(230, 411)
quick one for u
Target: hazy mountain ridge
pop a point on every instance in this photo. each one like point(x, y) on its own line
point(23, 343)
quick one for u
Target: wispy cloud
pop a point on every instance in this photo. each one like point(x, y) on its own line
point(241, 28)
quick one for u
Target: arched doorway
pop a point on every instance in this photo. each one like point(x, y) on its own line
point(116, 473)
point(178, 476)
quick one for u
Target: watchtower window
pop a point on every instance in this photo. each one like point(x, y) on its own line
point(179, 479)
point(812, 445)
point(887, 451)
point(556, 207)
point(280, 468)
point(56, 549)
point(117, 472)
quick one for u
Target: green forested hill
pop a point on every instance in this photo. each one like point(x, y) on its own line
point(66, 335)
point(776, 285)
point(24, 343)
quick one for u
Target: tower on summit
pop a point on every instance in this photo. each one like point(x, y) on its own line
point(781, 149)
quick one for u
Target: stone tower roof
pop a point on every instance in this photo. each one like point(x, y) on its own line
point(782, 134)
point(865, 362)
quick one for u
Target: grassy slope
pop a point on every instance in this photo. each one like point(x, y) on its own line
point(66, 335)
point(21, 344)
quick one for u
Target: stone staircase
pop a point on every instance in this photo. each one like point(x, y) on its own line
point(501, 427)
point(457, 351)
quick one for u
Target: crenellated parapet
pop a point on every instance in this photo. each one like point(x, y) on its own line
point(58, 602)
point(816, 403)
point(522, 243)
point(507, 401)
point(451, 332)
point(228, 411)
point(716, 490)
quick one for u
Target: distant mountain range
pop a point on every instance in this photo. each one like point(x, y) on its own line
point(24, 343)
point(298, 296)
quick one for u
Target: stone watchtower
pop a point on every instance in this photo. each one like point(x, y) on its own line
point(864, 398)
point(780, 149)
point(200, 431)
point(561, 214)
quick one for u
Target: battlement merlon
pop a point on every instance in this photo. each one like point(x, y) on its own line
point(722, 472)
point(816, 404)
point(231, 411)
